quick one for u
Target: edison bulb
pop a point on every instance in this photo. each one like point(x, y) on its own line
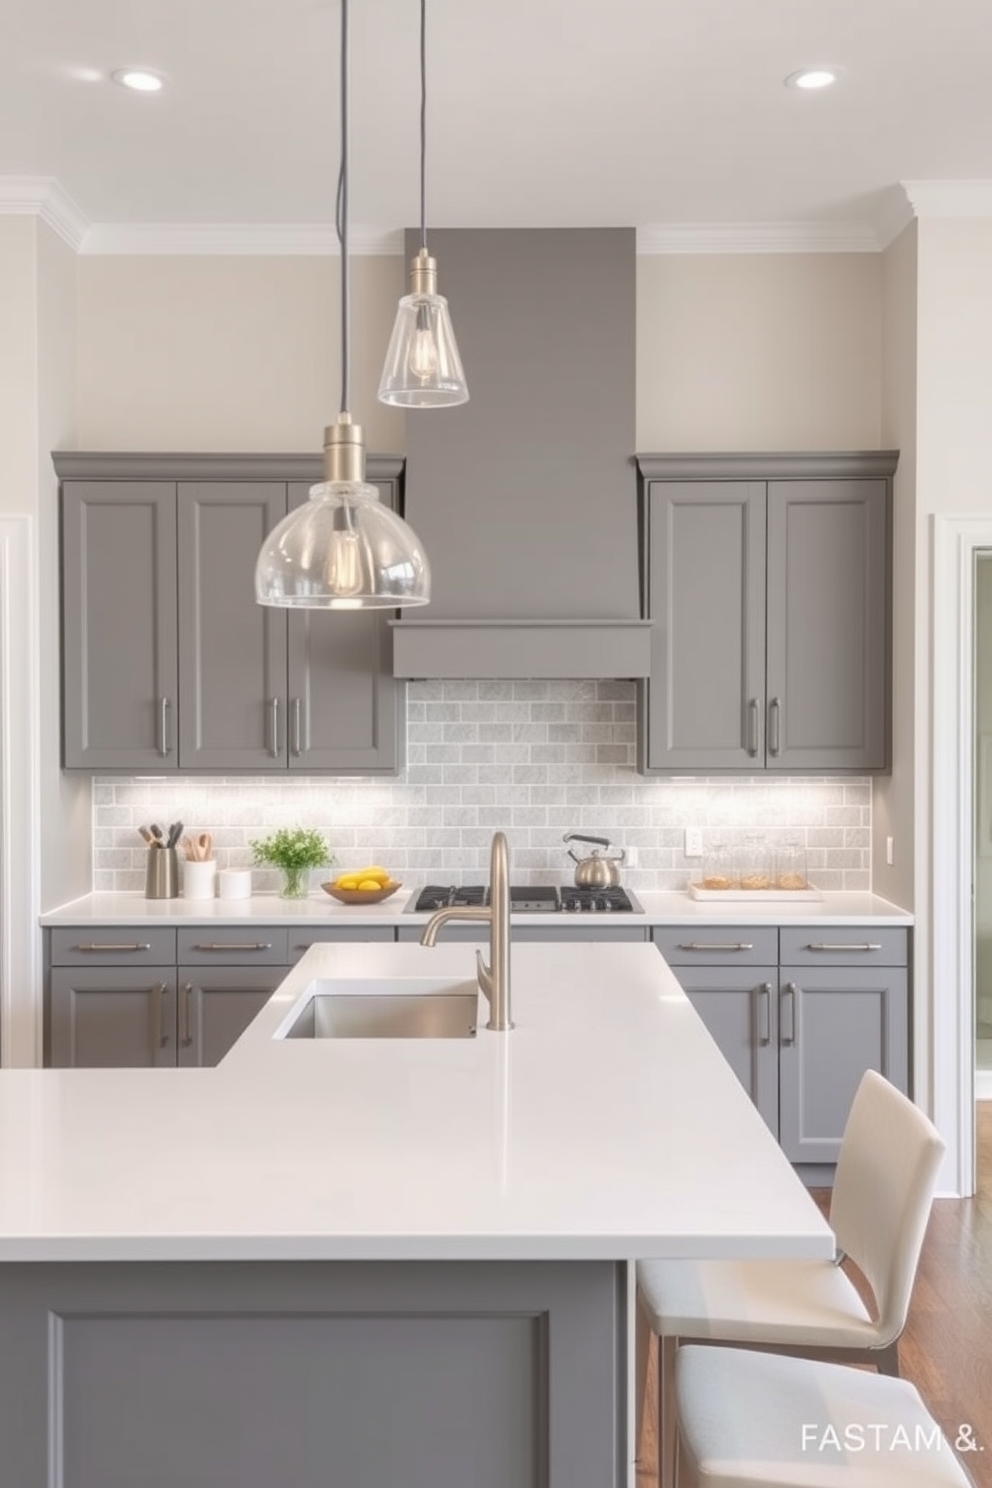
point(423, 354)
point(344, 562)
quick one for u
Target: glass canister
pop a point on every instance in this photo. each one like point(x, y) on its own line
point(720, 868)
point(790, 869)
point(757, 864)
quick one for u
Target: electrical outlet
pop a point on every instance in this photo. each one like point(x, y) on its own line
point(693, 842)
point(630, 857)
point(890, 856)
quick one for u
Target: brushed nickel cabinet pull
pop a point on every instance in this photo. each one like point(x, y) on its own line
point(274, 727)
point(775, 726)
point(789, 991)
point(765, 1005)
point(824, 945)
point(234, 945)
point(163, 726)
point(702, 945)
point(159, 1039)
point(187, 1037)
point(110, 945)
point(297, 726)
point(752, 726)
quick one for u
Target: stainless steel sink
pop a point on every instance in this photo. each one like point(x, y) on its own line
point(413, 1007)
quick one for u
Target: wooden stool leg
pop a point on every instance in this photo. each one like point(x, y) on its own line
point(668, 1436)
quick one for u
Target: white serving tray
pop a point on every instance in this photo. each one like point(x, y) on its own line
point(754, 896)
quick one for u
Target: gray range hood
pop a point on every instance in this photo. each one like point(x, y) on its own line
point(526, 496)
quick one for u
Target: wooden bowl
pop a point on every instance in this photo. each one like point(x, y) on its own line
point(361, 896)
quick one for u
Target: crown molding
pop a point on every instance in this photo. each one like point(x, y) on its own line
point(236, 239)
point(949, 198)
point(757, 237)
point(42, 196)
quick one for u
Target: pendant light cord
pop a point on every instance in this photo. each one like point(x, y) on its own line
point(341, 219)
point(423, 124)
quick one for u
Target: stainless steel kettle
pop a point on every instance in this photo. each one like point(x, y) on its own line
point(596, 871)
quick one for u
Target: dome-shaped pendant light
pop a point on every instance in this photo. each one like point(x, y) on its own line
point(423, 368)
point(343, 550)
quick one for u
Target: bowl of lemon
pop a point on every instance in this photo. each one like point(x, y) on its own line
point(365, 886)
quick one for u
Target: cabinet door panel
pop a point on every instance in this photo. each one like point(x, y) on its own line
point(835, 1024)
point(216, 1005)
point(739, 1009)
point(827, 624)
point(344, 704)
point(119, 672)
point(706, 602)
point(232, 651)
point(112, 1017)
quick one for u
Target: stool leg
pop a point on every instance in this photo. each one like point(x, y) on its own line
point(642, 1359)
point(668, 1436)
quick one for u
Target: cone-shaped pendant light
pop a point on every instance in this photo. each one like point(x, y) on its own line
point(343, 550)
point(423, 368)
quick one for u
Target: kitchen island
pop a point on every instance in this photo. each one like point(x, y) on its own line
point(359, 1260)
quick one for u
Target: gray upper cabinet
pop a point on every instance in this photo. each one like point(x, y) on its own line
point(119, 656)
point(168, 662)
point(767, 582)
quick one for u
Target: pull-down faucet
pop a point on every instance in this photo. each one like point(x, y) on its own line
point(494, 979)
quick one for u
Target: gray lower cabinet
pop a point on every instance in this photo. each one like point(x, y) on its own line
point(104, 1017)
point(767, 583)
point(215, 1004)
point(799, 1013)
point(169, 664)
point(564, 928)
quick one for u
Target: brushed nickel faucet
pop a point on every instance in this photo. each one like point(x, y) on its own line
point(494, 979)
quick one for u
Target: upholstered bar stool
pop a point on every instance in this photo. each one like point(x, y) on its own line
point(883, 1188)
point(754, 1420)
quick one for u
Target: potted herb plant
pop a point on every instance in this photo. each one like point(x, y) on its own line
point(295, 850)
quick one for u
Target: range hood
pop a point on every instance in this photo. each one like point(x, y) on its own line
point(525, 497)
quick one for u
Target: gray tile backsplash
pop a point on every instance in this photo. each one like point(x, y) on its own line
point(534, 758)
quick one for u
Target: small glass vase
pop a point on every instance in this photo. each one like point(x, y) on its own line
point(295, 883)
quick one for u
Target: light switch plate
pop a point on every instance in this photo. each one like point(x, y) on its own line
point(693, 842)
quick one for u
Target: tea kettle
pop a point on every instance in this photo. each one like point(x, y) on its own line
point(595, 872)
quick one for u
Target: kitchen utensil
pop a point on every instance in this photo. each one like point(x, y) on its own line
point(175, 832)
point(596, 871)
point(158, 834)
point(361, 896)
point(147, 836)
point(162, 873)
point(204, 846)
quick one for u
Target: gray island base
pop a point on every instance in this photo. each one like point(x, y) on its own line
point(361, 1262)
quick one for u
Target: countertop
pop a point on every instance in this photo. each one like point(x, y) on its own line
point(660, 908)
point(606, 1125)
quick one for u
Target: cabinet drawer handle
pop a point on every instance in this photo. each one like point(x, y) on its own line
point(234, 945)
point(297, 726)
point(789, 991)
point(752, 726)
point(274, 728)
point(823, 945)
point(187, 1037)
point(775, 726)
point(163, 726)
point(107, 945)
point(159, 1039)
point(765, 1006)
point(702, 945)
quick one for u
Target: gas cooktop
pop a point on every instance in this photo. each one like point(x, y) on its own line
point(530, 899)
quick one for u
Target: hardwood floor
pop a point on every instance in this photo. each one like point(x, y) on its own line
point(946, 1349)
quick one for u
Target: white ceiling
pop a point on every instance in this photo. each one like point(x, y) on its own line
point(541, 112)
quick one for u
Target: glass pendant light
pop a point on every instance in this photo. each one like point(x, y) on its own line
point(343, 550)
point(423, 368)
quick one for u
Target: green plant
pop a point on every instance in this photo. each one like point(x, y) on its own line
point(292, 848)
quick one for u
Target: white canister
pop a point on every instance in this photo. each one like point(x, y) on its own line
point(199, 878)
point(234, 883)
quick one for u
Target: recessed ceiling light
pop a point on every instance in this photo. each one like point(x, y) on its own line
point(813, 77)
point(139, 79)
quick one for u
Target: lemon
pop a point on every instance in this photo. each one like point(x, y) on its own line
point(369, 885)
point(379, 874)
point(346, 881)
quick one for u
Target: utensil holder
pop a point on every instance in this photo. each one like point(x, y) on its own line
point(199, 878)
point(162, 873)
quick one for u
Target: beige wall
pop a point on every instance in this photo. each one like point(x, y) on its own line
point(894, 795)
point(241, 353)
point(18, 365)
point(752, 352)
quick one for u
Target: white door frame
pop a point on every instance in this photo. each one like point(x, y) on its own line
point(952, 1028)
point(20, 831)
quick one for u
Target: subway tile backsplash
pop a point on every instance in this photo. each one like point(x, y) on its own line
point(534, 758)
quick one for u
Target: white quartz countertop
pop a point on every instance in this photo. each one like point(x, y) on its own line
point(606, 1125)
point(318, 909)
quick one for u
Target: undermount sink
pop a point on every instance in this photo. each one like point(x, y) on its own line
point(407, 1007)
